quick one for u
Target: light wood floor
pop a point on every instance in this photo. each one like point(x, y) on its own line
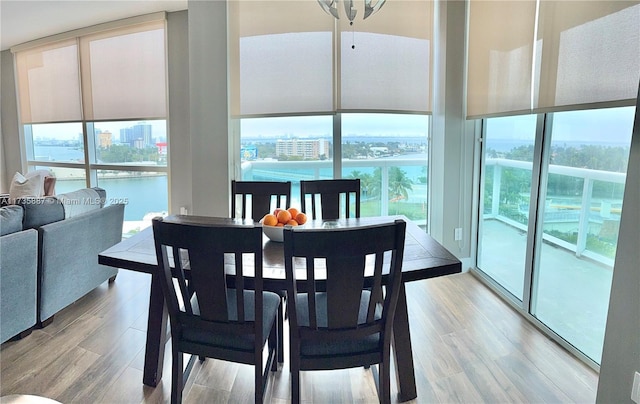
point(469, 347)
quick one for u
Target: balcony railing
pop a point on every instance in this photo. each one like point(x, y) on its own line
point(584, 214)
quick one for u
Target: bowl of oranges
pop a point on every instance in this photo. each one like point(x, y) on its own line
point(273, 223)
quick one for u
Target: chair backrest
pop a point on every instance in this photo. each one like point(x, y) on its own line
point(353, 265)
point(331, 192)
point(204, 289)
point(265, 196)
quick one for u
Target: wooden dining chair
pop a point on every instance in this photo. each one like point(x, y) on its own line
point(342, 315)
point(211, 312)
point(264, 197)
point(331, 193)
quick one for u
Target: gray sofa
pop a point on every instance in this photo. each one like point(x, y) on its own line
point(18, 274)
point(63, 235)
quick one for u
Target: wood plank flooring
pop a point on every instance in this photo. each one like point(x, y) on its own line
point(469, 347)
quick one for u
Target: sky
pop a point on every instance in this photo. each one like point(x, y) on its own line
point(612, 125)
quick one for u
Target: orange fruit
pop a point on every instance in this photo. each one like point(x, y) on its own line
point(269, 220)
point(292, 223)
point(284, 216)
point(301, 218)
point(280, 224)
point(294, 212)
point(277, 210)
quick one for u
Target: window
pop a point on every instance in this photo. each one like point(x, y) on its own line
point(550, 215)
point(93, 109)
point(388, 152)
point(318, 98)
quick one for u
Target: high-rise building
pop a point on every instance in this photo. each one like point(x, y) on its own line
point(137, 134)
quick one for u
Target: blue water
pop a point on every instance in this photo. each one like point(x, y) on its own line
point(141, 195)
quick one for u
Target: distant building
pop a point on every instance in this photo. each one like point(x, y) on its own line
point(105, 139)
point(307, 149)
point(136, 134)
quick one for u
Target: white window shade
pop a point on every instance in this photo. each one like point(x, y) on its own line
point(590, 53)
point(500, 57)
point(49, 83)
point(281, 58)
point(290, 57)
point(586, 55)
point(385, 60)
point(123, 73)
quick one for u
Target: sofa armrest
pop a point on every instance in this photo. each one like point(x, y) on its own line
point(68, 265)
point(18, 276)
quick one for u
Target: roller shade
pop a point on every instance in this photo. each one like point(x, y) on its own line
point(290, 57)
point(590, 53)
point(500, 57)
point(111, 71)
point(281, 58)
point(49, 83)
point(586, 54)
point(385, 60)
point(123, 73)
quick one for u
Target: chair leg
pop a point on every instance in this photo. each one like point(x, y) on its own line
point(274, 343)
point(259, 378)
point(281, 331)
point(177, 384)
point(384, 380)
point(294, 361)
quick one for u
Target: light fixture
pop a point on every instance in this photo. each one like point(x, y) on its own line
point(331, 7)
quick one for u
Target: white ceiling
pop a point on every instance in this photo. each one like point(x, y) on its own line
point(25, 20)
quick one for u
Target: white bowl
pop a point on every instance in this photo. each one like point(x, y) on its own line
point(274, 233)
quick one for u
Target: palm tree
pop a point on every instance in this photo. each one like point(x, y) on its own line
point(368, 184)
point(399, 184)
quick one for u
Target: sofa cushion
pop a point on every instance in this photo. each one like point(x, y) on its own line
point(81, 201)
point(40, 211)
point(10, 219)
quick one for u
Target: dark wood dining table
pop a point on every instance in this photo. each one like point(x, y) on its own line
point(424, 258)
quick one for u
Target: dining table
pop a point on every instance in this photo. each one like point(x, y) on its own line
point(424, 258)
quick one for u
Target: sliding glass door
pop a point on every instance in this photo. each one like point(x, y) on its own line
point(552, 194)
point(506, 189)
point(580, 217)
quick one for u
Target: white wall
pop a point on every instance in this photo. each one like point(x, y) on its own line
point(209, 127)
point(452, 148)
point(9, 139)
point(179, 138)
point(621, 352)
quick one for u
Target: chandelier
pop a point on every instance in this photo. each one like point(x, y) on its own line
point(331, 7)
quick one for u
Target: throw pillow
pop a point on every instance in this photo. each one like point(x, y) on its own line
point(48, 181)
point(22, 186)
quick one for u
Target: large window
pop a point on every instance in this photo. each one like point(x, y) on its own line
point(388, 152)
point(320, 98)
point(551, 213)
point(93, 109)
